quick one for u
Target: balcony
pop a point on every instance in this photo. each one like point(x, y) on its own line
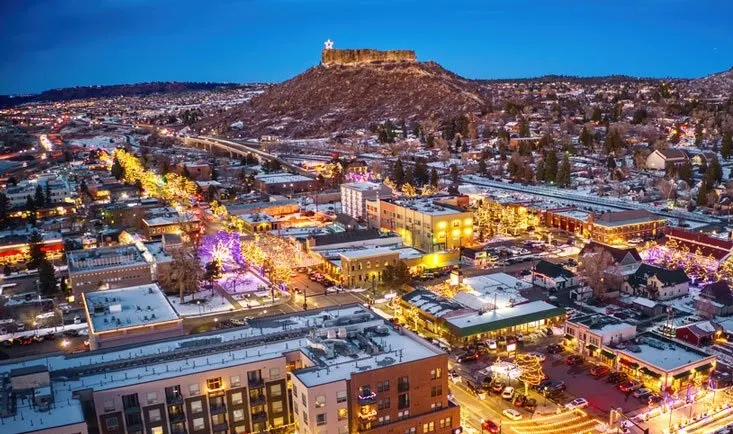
point(137, 426)
point(219, 427)
point(178, 430)
point(132, 410)
point(217, 408)
point(368, 414)
point(366, 397)
point(174, 399)
point(259, 417)
point(177, 417)
point(257, 400)
point(256, 382)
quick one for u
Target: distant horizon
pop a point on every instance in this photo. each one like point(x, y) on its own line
point(55, 44)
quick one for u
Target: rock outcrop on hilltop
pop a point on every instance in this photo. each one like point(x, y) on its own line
point(365, 56)
point(354, 89)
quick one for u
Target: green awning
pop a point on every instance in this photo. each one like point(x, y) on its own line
point(704, 368)
point(489, 321)
point(608, 354)
point(591, 347)
point(681, 375)
point(649, 372)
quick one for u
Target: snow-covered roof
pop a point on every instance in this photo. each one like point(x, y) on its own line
point(281, 178)
point(476, 318)
point(663, 353)
point(641, 301)
point(500, 286)
point(133, 306)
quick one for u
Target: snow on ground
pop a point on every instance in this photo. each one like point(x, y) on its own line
point(99, 142)
point(44, 331)
point(234, 283)
point(206, 304)
point(686, 303)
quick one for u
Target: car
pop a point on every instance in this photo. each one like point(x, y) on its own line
point(468, 357)
point(38, 338)
point(628, 386)
point(508, 393)
point(531, 404)
point(617, 377)
point(539, 355)
point(599, 370)
point(501, 340)
point(26, 340)
point(511, 339)
point(554, 348)
point(577, 403)
point(50, 337)
point(498, 387)
point(9, 343)
point(520, 337)
point(543, 384)
point(492, 344)
point(455, 377)
point(574, 359)
point(238, 321)
point(654, 400)
point(520, 400)
point(512, 414)
point(555, 388)
point(489, 426)
point(642, 393)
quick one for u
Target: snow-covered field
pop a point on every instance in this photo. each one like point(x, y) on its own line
point(236, 284)
point(207, 304)
point(98, 142)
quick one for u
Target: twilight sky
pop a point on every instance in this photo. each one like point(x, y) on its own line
point(61, 43)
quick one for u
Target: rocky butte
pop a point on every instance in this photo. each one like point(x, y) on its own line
point(365, 56)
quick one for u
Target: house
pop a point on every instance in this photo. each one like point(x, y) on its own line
point(553, 276)
point(699, 333)
point(715, 299)
point(649, 308)
point(657, 283)
point(663, 159)
point(588, 333)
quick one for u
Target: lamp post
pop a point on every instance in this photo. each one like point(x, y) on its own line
point(305, 297)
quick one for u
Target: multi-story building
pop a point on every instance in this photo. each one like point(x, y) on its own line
point(172, 223)
point(57, 187)
point(107, 267)
point(355, 194)
point(589, 333)
point(336, 370)
point(428, 224)
point(15, 246)
point(611, 228)
point(284, 183)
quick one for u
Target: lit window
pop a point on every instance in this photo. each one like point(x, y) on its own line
point(238, 415)
point(343, 413)
point(320, 401)
point(213, 383)
point(277, 406)
point(198, 424)
point(234, 381)
point(193, 389)
point(237, 398)
point(196, 407)
point(276, 390)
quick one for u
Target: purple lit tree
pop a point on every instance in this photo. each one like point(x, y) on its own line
point(223, 247)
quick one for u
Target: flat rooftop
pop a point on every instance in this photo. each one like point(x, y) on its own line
point(133, 306)
point(479, 322)
point(500, 286)
point(363, 186)
point(600, 324)
point(662, 353)
point(576, 214)
point(429, 206)
point(104, 257)
point(281, 178)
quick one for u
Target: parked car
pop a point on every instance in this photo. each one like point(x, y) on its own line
point(574, 359)
point(628, 386)
point(554, 348)
point(50, 337)
point(555, 388)
point(512, 414)
point(468, 357)
point(654, 400)
point(577, 403)
point(492, 344)
point(454, 376)
point(26, 340)
point(508, 393)
point(599, 370)
point(38, 338)
point(617, 377)
point(489, 426)
point(642, 393)
point(9, 343)
point(537, 354)
point(543, 384)
point(238, 321)
point(498, 387)
point(531, 404)
point(520, 400)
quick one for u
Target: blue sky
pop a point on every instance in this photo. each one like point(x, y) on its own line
point(60, 43)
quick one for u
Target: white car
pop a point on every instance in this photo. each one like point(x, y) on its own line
point(492, 344)
point(508, 392)
point(577, 403)
point(512, 414)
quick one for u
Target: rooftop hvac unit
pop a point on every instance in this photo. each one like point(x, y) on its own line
point(115, 308)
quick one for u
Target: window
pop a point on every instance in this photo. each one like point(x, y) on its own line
point(237, 398)
point(341, 396)
point(456, 223)
point(276, 390)
point(213, 383)
point(156, 430)
point(410, 430)
point(109, 405)
point(403, 401)
point(234, 381)
point(321, 419)
point(154, 415)
point(445, 423)
point(305, 417)
point(383, 420)
point(238, 415)
point(403, 384)
point(295, 407)
point(436, 373)
point(303, 400)
point(320, 401)
point(343, 413)
point(193, 389)
point(383, 403)
point(428, 427)
point(240, 429)
point(198, 424)
point(403, 414)
point(436, 406)
point(436, 391)
point(383, 386)
point(274, 373)
point(277, 406)
point(112, 423)
point(295, 390)
point(152, 397)
point(196, 407)
point(278, 421)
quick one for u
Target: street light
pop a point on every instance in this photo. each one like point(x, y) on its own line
point(305, 297)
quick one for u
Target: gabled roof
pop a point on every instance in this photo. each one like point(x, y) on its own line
point(553, 270)
point(718, 292)
point(709, 246)
point(665, 275)
point(626, 217)
point(703, 328)
point(617, 253)
point(674, 154)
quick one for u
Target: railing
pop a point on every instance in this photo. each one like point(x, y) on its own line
point(131, 410)
point(174, 399)
point(217, 408)
point(259, 416)
point(256, 382)
point(176, 417)
point(257, 400)
point(220, 427)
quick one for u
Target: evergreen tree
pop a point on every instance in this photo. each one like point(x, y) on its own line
point(458, 143)
point(563, 173)
point(39, 198)
point(586, 138)
point(698, 133)
point(702, 194)
point(540, 171)
point(4, 208)
point(434, 177)
point(35, 250)
point(714, 172)
point(684, 172)
point(409, 176)
point(398, 174)
point(551, 164)
point(30, 206)
point(482, 166)
point(726, 146)
point(48, 194)
point(596, 116)
point(524, 128)
point(117, 170)
point(422, 176)
point(453, 189)
point(47, 278)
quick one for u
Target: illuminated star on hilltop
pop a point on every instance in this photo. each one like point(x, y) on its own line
point(328, 44)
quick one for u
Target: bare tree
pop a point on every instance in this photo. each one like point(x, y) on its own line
point(184, 274)
point(597, 268)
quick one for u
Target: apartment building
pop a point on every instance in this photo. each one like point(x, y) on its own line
point(428, 224)
point(355, 194)
point(334, 370)
point(170, 223)
point(107, 267)
point(58, 188)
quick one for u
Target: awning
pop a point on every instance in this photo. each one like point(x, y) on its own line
point(629, 363)
point(591, 347)
point(649, 372)
point(569, 337)
point(704, 368)
point(681, 375)
point(608, 354)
